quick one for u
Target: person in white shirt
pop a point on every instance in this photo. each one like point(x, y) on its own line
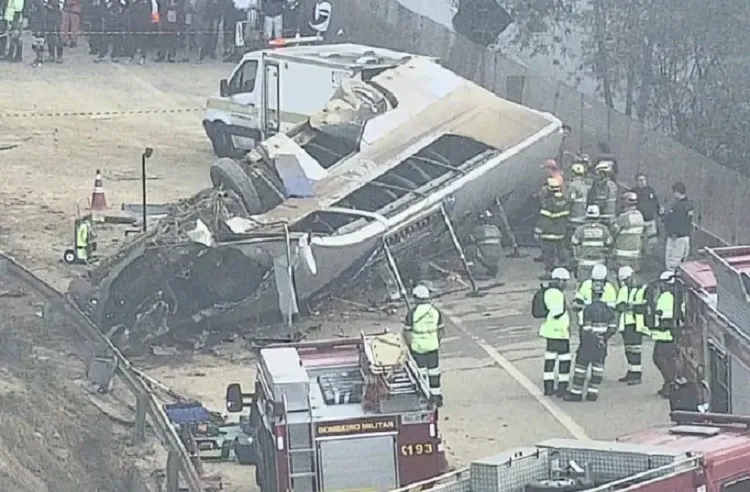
point(273, 11)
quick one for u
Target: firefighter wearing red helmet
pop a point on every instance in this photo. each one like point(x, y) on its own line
point(627, 230)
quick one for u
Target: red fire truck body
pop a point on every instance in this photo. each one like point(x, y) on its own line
point(330, 415)
point(714, 340)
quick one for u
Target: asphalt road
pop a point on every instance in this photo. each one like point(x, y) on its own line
point(492, 365)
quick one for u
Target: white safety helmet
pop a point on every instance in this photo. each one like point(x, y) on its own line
point(667, 276)
point(625, 273)
point(592, 211)
point(421, 292)
point(560, 273)
point(599, 272)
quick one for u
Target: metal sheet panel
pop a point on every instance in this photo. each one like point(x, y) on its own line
point(374, 458)
point(740, 382)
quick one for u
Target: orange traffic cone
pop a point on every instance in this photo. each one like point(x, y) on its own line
point(98, 198)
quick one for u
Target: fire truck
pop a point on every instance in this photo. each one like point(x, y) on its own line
point(698, 452)
point(714, 340)
point(346, 414)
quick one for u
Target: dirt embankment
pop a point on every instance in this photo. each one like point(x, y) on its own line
point(52, 437)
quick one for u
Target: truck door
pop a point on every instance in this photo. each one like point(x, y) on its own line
point(718, 365)
point(272, 98)
point(243, 105)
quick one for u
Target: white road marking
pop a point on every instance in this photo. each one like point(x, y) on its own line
point(450, 339)
point(557, 413)
point(490, 313)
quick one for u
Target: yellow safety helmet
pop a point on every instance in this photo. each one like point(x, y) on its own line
point(578, 168)
point(553, 184)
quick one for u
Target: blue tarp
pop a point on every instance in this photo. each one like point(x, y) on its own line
point(187, 412)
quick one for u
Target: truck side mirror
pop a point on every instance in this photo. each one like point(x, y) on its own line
point(234, 398)
point(224, 88)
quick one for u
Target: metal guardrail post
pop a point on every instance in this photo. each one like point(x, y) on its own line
point(173, 472)
point(141, 410)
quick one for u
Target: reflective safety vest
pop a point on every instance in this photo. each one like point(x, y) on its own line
point(555, 329)
point(584, 295)
point(425, 321)
point(662, 331)
point(640, 304)
point(630, 300)
point(82, 235)
point(628, 231)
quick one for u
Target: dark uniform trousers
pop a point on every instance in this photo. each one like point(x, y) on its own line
point(429, 363)
point(557, 354)
point(590, 355)
point(664, 360)
point(633, 341)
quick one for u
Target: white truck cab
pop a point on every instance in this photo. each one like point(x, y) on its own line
point(269, 91)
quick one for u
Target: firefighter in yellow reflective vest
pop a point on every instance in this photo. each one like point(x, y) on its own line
point(556, 331)
point(83, 240)
point(423, 331)
point(628, 232)
point(666, 317)
point(584, 294)
point(552, 226)
point(591, 243)
point(631, 302)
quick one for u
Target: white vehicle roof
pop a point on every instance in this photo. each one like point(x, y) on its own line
point(345, 55)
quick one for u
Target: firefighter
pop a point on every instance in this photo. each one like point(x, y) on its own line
point(628, 233)
point(552, 226)
point(423, 331)
point(584, 293)
point(631, 302)
point(662, 331)
point(484, 244)
point(83, 240)
point(598, 324)
point(591, 243)
point(13, 17)
point(577, 192)
point(555, 330)
point(604, 192)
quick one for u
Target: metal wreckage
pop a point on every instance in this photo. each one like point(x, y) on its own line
point(313, 208)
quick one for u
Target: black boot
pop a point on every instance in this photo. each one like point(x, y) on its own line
point(549, 388)
point(592, 396)
point(562, 390)
point(664, 391)
point(626, 378)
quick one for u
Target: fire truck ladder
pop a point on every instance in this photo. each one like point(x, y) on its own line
point(302, 455)
point(400, 379)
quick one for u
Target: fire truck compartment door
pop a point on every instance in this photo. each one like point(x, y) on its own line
point(740, 382)
point(364, 463)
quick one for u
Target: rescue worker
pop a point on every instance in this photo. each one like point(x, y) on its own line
point(598, 324)
point(627, 230)
point(554, 172)
point(556, 332)
point(584, 294)
point(169, 30)
point(604, 192)
point(591, 244)
point(13, 18)
point(678, 222)
point(38, 24)
point(665, 320)
point(552, 226)
point(83, 241)
point(631, 305)
point(423, 331)
point(577, 193)
point(649, 207)
point(484, 244)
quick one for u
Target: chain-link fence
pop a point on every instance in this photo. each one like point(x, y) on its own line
point(720, 194)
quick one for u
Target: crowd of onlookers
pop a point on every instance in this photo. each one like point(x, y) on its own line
point(170, 30)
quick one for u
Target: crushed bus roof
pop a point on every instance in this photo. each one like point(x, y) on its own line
point(345, 55)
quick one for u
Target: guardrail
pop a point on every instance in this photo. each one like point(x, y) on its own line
point(439, 481)
point(178, 462)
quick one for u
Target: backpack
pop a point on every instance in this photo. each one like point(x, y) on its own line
point(538, 307)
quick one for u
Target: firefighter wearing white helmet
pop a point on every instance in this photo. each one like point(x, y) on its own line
point(668, 313)
point(628, 233)
point(591, 243)
point(549, 304)
point(578, 192)
point(552, 226)
point(631, 306)
point(584, 294)
point(604, 192)
point(598, 324)
point(423, 330)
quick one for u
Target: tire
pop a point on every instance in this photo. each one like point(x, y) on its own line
point(69, 256)
point(221, 139)
point(227, 174)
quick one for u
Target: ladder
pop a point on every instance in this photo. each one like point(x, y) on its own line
point(302, 461)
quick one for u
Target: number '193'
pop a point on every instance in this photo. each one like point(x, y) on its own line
point(416, 449)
